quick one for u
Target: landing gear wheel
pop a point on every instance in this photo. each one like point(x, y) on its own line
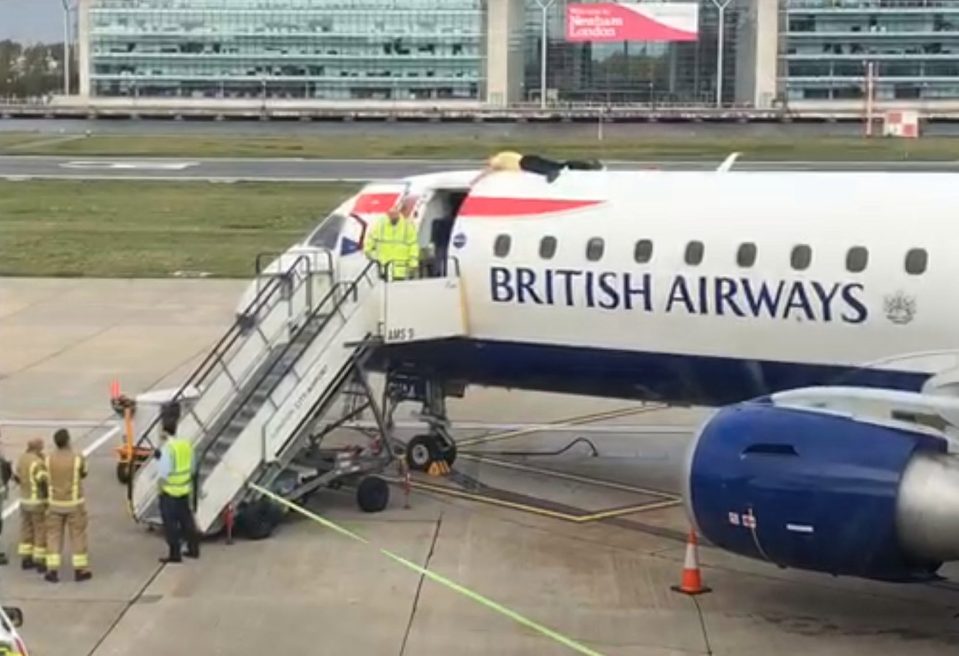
point(124, 471)
point(372, 494)
point(421, 452)
point(258, 520)
point(449, 453)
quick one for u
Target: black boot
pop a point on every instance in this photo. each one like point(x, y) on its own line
point(52, 576)
point(41, 567)
point(173, 557)
point(193, 550)
point(27, 563)
point(82, 575)
point(3, 558)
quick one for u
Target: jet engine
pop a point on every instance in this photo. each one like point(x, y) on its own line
point(825, 491)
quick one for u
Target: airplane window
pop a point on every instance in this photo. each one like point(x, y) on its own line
point(694, 253)
point(547, 248)
point(501, 246)
point(746, 255)
point(801, 257)
point(326, 234)
point(856, 259)
point(594, 249)
point(644, 251)
point(916, 261)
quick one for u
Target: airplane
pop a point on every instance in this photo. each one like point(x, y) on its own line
point(812, 311)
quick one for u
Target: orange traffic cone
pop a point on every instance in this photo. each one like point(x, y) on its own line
point(692, 578)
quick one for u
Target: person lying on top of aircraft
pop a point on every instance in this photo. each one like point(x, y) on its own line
point(508, 160)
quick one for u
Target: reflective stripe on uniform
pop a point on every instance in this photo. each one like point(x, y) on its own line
point(177, 484)
point(75, 499)
point(30, 481)
point(33, 476)
point(81, 561)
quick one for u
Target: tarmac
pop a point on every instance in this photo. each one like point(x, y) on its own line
point(585, 546)
point(227, 170)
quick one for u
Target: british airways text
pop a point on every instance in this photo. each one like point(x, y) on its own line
point(700, 295)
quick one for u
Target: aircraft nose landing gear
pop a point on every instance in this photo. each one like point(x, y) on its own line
point(437, 444)
point(423, 450)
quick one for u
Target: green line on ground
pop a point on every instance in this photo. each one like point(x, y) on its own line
point(433, 576)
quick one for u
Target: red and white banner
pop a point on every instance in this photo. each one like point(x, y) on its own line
point(647, 21)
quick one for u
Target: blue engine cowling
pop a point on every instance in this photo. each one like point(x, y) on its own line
point(807, 489)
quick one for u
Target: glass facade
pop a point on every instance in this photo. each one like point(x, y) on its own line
point(913, 45)
point(633, 72)
point(318, 49)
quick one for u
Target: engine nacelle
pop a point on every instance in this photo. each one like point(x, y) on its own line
point(826, 492)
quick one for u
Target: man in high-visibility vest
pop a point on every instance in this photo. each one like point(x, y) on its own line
point(393, 244)
point(66, 508)
point(176, 484)
point(31, 475)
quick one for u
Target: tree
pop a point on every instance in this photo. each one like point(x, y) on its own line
point(30, 71)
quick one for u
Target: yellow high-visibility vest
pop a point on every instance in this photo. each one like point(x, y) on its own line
point(394, 246)
point(178, 483)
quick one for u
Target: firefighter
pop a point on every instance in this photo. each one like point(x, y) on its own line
point(176, 483)
point(66, 508)
point(392, 243)
point(31, 475)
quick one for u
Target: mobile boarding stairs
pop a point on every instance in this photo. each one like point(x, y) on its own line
point(262, 407)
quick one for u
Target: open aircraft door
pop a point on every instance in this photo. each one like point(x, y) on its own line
point(373, 201)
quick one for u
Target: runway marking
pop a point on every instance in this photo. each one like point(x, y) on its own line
point(197, 177)
point(576, 421)
point(43, 423)
point(143, 165)
point(87, 450)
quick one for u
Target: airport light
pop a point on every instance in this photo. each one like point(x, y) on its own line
point(720, 43)
point(544, 6)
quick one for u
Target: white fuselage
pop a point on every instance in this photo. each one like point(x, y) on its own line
point(700, 287)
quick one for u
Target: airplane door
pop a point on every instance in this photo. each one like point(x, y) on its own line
point(373, 201)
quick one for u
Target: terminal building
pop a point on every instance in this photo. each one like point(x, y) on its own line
point(775, 53)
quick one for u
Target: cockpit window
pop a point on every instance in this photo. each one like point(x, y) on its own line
point(326, 234)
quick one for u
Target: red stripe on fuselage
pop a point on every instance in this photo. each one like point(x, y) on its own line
point(477, 206)
point(369, 203)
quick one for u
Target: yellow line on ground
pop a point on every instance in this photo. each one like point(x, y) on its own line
point(632, 510)
point(545, 512)
point(469, 496)
point(574, 421)
point(569, 477)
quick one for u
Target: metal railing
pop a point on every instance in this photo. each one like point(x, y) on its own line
point(216, 363)
point(336, 298)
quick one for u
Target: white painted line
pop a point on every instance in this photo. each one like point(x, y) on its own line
point(74, 423)
point(127, 164)
point(628, 429)
point(198, 177)
point(90, 448)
